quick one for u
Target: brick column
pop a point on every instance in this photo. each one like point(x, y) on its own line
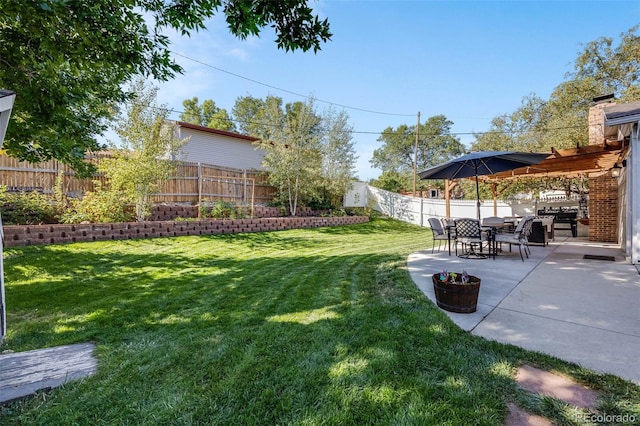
point(603, 209)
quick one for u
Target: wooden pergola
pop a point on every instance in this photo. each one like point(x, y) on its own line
point(588, 161)
point(583, 161)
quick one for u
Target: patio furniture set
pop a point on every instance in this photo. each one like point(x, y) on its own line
point(483, 239)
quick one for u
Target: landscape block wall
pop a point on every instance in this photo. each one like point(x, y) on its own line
point(23, 235)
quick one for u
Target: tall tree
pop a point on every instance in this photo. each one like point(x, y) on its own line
point(338, 155)
point(562, 120)
point(68, 60)
point(612, 69)
point(207, 114)
point(148, 145)
point(601, 68)
point(293, 152)
point(260, 118)
point(247, 112)
point(517, 131)
point(396, 153)
point(310, 156)
point(436, 145)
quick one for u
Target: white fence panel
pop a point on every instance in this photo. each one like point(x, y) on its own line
point(417, 210)
point(357, 196)
point(397, 206)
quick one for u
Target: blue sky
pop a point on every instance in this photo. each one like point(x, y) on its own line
point(468, 60)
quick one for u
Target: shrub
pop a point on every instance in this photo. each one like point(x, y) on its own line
point(221, 210)
point(99, 207)
point(27, 208)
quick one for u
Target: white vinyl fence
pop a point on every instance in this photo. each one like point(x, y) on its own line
point(418, 210)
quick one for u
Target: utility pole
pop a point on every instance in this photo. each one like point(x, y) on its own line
point(415, 156)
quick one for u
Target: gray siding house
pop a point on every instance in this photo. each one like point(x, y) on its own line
point(219, 147)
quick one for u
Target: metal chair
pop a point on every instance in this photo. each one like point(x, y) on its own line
point(519, 236)
point(526, 233)
point(438, 232)
point(450, 228)
point(447, 221)
point(469, 234)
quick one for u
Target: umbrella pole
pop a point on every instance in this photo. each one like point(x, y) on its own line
point(447, 197)
point(478, 196)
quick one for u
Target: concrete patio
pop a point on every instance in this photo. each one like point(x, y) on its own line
point(556, 302)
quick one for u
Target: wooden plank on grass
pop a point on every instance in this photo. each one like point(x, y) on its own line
point(24, 373)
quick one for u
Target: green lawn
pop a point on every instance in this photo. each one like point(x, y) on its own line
point(303, 327)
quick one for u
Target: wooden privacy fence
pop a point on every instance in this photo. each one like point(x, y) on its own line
point(191, 184)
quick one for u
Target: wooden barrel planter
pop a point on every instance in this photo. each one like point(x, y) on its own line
point(456, 296)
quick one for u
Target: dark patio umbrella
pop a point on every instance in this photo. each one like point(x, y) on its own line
point(482, 163)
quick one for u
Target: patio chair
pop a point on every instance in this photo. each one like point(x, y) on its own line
point(439, 234)
point(469, 234)
point(526, 233)
point(447, 221)
point(450, 228)
point(519, 236)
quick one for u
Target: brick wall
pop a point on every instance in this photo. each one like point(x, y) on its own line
point(603, 209)
point(22, 235)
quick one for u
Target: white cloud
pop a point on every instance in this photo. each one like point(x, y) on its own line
point(237, 53)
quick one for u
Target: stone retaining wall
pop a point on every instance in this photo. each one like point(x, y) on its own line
point(24, 235)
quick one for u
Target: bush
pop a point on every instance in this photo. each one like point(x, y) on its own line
point(27, 208)
point(99, 207)
point(221, 210)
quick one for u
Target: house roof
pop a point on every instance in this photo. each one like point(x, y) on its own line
point(7, 98)
point(216, 131)
point(622, 114)
point(4, 93)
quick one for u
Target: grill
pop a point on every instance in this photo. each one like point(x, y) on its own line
point(563, 219)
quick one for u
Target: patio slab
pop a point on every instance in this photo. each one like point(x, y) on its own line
point(499, 277)
point(556, 302)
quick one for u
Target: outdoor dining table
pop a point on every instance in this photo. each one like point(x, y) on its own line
point(489, 230)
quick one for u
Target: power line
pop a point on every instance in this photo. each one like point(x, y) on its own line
point(358, 109)
point(291, 92)
point(488, 132)
point(425, 135)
